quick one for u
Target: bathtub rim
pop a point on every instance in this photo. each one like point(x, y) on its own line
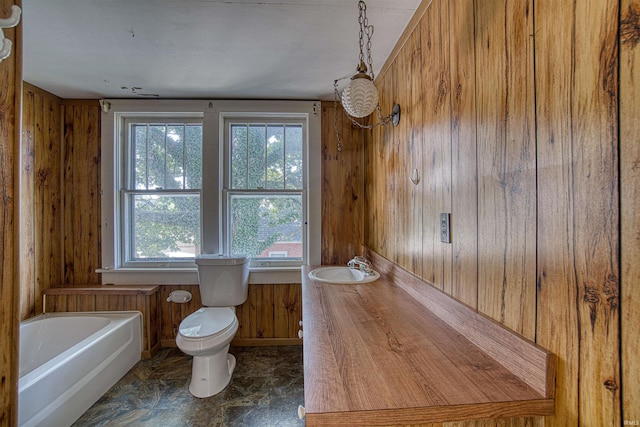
point(29, 378)
point(93, 381)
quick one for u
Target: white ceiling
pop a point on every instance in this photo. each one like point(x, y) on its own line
point(257, 49)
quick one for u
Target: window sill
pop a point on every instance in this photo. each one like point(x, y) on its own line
point(189, 276)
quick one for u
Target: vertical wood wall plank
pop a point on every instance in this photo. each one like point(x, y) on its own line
point(31, 124)
point(464, 178)
point(411, 116)
point(557, 286)
point(81, 198)
point(596, 207)
point(630, 206)
point(436, 198)
point(271, 311)
point(265, 326)
point(10, 90)
point(402, 193)
point(506, 163)
point(342, 188)
point(48, 207)
point(68, 204)
point(40, 198)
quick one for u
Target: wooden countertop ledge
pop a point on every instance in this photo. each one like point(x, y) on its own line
point(397, 351)
point(102, 290)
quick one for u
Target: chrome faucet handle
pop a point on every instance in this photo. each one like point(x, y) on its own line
point(361, 263)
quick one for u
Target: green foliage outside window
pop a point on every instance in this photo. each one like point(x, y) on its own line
point(265, 157)
point(163, 195)
point(168, 158)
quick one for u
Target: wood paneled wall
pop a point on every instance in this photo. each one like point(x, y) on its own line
point(40, 198)
point(511, 117)
point(61, 233)
point(10, 96)
point(59, 195)
point(342, 180)
point(82, 247)
point(270, 315)
point(112, 298)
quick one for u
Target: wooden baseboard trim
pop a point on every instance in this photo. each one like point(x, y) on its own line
point(248, 342)
point(254, 342)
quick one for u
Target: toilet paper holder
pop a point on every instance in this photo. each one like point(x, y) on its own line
point(179, 297)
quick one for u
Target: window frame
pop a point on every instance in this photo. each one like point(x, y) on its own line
point(213, 113)
point(228, 192)
point(127, 188)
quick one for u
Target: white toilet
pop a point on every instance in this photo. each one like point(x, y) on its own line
point(206, 333)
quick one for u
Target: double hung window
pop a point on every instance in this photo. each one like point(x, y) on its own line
point(264, 197)
point(160, 197)
point(184, 177)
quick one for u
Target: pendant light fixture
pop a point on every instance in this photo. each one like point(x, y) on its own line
point(359, 97)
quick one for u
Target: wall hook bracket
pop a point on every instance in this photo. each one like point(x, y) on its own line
point(10, 22)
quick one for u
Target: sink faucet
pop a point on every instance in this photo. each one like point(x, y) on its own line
point(360, 263)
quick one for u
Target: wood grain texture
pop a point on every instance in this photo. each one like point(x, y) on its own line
point(10, 107)
point(40, 202)
point(557, 286)
point(464, 178)
point(425, 371)
point(540, 225)
point(342, 187)
point(412, 113)
point(32, 114)
point(506, 163)
point(596, 208)
point(630, 206)
point(530, 363)
point(270, 315)
point(81, 196)
point(82, 298)
point(436, 161)
point(596, 192)
point(577, 186)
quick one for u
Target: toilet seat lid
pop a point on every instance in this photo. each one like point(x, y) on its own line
point(207, 321)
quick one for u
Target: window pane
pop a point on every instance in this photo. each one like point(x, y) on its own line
point(239, 139)
point(266, 226)
point(165, 226)
point(139, 135)
point(193, 158)
point(275, 157)
point(175, 157)
point(167, 156)
point(257, 141)
point(156, 156)
point(293, 157)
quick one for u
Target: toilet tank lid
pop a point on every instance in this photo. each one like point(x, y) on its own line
point(218, 259)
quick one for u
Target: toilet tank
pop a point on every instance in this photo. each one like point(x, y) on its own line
point(223, 280)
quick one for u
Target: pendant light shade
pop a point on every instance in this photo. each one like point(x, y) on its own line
point(360, 97)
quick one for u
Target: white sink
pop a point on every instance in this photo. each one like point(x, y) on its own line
point(342, 275)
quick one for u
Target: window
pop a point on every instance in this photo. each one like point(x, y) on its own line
point(161, 195)
point(264, 194)
point(184, 177)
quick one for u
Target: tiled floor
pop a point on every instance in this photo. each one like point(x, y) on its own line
point(265, 390)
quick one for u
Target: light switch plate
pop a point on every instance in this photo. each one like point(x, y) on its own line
point(445, 229)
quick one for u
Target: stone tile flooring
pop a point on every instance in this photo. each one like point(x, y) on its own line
point(265, 390)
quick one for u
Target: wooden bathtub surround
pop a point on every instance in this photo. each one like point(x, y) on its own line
point(142, 298)
point(398, 351)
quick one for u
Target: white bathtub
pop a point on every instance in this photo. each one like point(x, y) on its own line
point(69, 360)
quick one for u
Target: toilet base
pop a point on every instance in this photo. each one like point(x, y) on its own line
point(211, 374)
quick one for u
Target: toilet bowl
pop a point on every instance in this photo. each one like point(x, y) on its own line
point(207, 333)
